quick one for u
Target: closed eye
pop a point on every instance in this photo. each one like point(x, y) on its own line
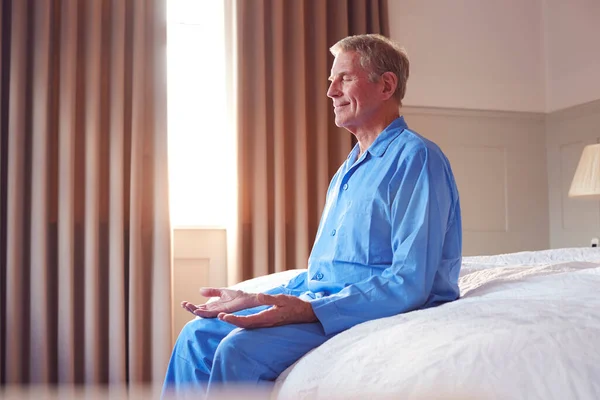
point(342, 77)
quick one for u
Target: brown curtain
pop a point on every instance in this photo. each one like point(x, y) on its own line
point(288, 145)
point(84, 229)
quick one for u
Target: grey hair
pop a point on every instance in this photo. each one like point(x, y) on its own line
point(378, 54)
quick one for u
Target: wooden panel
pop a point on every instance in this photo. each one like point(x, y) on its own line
point(199, 259)
point(499, 161)
point(189, 275)
point(484, 170)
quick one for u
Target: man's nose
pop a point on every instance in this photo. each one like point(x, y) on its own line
point(333, 90)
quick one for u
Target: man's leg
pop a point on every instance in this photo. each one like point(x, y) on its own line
point(258, 356)
point(192, 357)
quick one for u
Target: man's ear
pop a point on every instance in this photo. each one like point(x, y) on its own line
point(390, 83)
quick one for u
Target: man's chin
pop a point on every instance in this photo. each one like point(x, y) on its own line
point(340, 122)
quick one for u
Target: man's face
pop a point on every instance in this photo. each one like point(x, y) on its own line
point(356, 99)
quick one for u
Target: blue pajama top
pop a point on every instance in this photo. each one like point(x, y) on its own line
point(390, 237)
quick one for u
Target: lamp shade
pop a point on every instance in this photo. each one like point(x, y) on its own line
point(586, 181)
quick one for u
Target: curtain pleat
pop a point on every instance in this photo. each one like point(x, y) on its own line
point(159, 224)
point(41, 265)
point(278, 227)
point(298, 238)
point(287, 143)
point(85, 232)
point(17, 249)
point(139, 288)
point(159, 291)
point(94, 359)
point(116, 225)
point(67, 364)
point(4, 109)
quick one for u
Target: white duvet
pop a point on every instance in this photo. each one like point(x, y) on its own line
point(527, 326)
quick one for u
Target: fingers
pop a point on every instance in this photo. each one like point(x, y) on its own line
point(199, 310)
point(189, 306)
point(210, 310)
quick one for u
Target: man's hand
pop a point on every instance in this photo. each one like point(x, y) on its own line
point(286, 310)
point(229, 301)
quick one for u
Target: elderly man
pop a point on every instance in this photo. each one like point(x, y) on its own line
point(389, 240)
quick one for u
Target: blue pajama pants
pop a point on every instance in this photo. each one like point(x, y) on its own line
point(209, 353)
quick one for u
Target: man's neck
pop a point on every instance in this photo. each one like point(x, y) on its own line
point(367, 135)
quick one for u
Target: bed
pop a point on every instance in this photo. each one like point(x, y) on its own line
point(527, 326)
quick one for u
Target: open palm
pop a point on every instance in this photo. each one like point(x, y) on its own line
point(228, 301)
point(285, 310)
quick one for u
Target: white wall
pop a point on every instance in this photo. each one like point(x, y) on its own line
point(474, 54)
point(509, 55)
point(573, 52)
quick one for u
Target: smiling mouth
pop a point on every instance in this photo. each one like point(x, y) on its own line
point(335, 107)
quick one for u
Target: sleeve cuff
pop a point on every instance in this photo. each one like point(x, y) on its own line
point(328, 315)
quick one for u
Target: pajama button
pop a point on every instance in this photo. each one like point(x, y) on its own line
point(345, 187)
point(333, 232)
point(319, 276)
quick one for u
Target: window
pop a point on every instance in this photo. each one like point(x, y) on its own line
point(201, 146)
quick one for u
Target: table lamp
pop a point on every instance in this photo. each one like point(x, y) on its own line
point(586, 182)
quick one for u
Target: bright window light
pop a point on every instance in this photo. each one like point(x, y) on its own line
point(201, 164)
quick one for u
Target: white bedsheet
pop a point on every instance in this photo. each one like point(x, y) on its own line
point(527, 326)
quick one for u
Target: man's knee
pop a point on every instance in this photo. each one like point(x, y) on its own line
point(243, 353)
point(193, 328)
point(204, 328)
point(233, 344)
point(198, 340)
